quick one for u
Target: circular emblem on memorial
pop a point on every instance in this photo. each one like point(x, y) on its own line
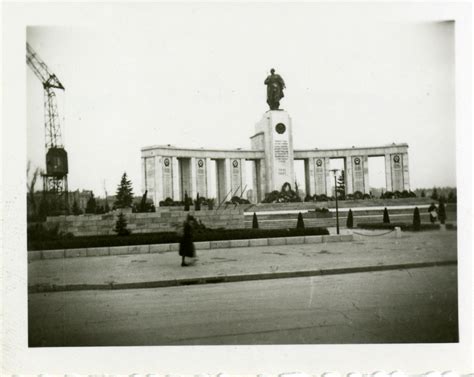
point(200, 163)
point(357, 161)
point(280, 128)
point(319, 162)
point(235, 163)
point(166, 162)
point(396, 158)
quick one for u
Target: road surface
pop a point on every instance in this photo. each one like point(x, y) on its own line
point(412, 305)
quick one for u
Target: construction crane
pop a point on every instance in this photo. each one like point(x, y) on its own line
point(55, 178)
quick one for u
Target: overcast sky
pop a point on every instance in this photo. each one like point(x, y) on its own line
point(192, 76)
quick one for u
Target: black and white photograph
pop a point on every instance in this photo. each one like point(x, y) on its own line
point(207, 177)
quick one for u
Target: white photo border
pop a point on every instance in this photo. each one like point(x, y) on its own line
point(232, 360)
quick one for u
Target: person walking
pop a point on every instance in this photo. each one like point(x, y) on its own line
point(433, 211)
point(186, 245)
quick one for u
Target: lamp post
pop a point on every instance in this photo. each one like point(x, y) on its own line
point(335, 194)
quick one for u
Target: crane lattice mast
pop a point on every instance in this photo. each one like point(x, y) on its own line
point(55, 178)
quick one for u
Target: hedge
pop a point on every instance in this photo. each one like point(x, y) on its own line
point(403, 226)
point(169, 237)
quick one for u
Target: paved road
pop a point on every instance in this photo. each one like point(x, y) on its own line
point(413, 305)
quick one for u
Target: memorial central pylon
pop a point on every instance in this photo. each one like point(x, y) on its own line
point(273, 135)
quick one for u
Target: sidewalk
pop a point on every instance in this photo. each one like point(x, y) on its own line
point(250, 263)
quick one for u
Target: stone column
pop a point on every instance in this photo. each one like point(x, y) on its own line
point(144, 176)
point(348, 175)
point(208, 178)
point(151, 172)
point(158, 179)
point(366, 175)
point(176, 179)
point(150, 177)
point(258, 186)
point(388, 173)
point(310, 176)
point(406, 176)
point(329, 176)
point(243, 177)
point(192, 178)
point(227, 178)
point(223, 179)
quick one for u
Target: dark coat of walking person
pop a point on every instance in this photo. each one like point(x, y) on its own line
point(186, 246)
point(433, 211)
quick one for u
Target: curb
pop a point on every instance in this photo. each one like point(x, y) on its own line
point(167, 247)
point(232, 278)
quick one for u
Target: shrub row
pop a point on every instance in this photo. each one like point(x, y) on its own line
point(403, 226)
point(170, 237)
point(398, 194)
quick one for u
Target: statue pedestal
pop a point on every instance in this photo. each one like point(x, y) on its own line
point(273, 135)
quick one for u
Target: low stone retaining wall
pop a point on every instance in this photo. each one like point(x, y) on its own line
point(166, 219)
point(174, 247)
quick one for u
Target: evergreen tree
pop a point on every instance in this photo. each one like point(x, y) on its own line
point(75, 208)
point(442, 212)
point(416, 219)
point(434, 194)
point(44, 208)
point(31, 200)
point(451, 197)
point(386, 218)
point(300, 222)
point(186, 201)
point(341, 186)
point(91, 206)
point(210, 203)
point(423, 194)
point(143, 207)
point(254, 221)
point(350, 220)
point(197, 203)
point(124, 195)
point(106, 207)
point(121, 225)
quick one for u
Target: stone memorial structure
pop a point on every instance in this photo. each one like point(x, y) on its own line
point(169, 172)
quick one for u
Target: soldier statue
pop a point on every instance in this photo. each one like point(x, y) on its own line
point(275, 86)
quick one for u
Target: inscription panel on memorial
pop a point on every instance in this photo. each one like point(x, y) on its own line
point(235, 177)
point(397, 173)
point(358, 174)
point(201, 177)
point(281, 150)
point(319, 175)
point(167, 178)
point(150, 173)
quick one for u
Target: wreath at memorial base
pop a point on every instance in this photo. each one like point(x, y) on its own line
point(285, 195)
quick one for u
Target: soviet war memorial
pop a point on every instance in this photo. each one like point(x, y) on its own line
point(241, 190)
point(170, 172)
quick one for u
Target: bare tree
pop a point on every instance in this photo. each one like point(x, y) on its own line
point(30, 186)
